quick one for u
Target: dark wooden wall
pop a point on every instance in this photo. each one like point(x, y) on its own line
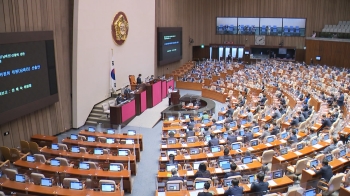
point(41, 15)
point(332, 53)
point(198, 19)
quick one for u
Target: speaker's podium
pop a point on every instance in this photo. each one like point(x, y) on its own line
point(175, 97)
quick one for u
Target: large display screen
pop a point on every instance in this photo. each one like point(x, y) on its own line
point(27, 73)
point(169, 45)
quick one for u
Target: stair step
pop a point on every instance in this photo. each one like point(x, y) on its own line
point(91, 123)
point(96, 115)
point(93, 118)
point(97, 111)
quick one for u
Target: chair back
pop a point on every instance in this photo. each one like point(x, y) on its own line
point(81, 137)
point(132, 79)
point(102, 139)
point(67, 181)
point(37, 178)
point(5, 152)
point(34, 148)
point(267, 156)
point(39, 158)
point(335, 182)
point(203, 180)
point(11, 174)
point(238, 177)
point(105, 107)
point(62, 146)
point(2, 193)
point(82, 149)
point(63, 161)
point(15, 155)
point(24, 146)
point(301, 164)
point(175, 182)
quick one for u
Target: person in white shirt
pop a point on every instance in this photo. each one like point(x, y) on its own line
point(170, 89)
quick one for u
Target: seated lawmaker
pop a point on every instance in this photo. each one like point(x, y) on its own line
point(325, 171)
point(119, 99)
point(301, 116)
point(233, 171)
point(127, 91)
point(292, 138)
point(231, 138)
point(174, 175)
point(214, 141)
point(259, 187)
point(190, 132)
point(276, 113)
point(294, 122)
point(202, 171)
point(205, 190)
point(331, 147)
point(326, 122)
point(234, 189)
point(226, 156)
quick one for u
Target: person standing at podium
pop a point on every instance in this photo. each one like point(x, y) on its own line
point(170, 90)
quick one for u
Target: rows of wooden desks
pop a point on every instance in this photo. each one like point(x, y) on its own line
point(273, 184)
point(27, 188)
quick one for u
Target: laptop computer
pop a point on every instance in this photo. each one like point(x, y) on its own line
point(171, 140)
point(200, 114)
point(91, 139)
point(207, 138)
point(300, 146)
point(110, 140)
point(227, 182)
point(283, 151)
point(219, 126)
point(174, 152)
point(329, 157)
point(236, 146)
point(74, 137)
point(251, 178)
point(277, 174)
point(46, 182)
point(98, 151)
point(220, 118)
point(205, 121)
point(247, 160)
point(255, 129)
point(284, 135)
point(123, 152)
point(169, 167)
point(199, 185)
point(76, 185)
point(75, 149)
point(131, 132)
point(107, 187)
point(243, 122)
point(187, 116)
point(91, 129)
point(20, 178)
point(225, 135)
point(225, 165)
point(30, 158)
point(254, 142)
point(173, 186)
point(310, 192)
point(215, 149)
point(83, 165)
point(314, 163)
point(171, 118)
point(110, 131)
point(326, 137)
point(241, 132)
point(54, 147)
point(270, 139)
point(129, 141)
point(190, 140)
point(194, 151)
point(222, 109)
point(55, 162)
point(314, 142)
point(342, 153)
point(114, 167)
point(233, 124)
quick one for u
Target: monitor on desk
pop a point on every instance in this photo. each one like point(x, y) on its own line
point(187, 116)
point(91, 129)
point(255, 129)
point(173, 186)
point(74, 137)
point(236, 146)
point(225, 135)
point(131, 132)
point(84, 165)
point(20, 178)
point(205, 121)
point(342, 153)
point(55, 162)
point(114, 167)
point(91, 139)
point(314, 142)
point(247, 160)
point(314, 163)
point(110, 140)
point(310, 192)
point(199, 185)
point(76, 185)
point(75, 149)
point(270, 139)
point(110, 131)
point(174, 152)
point(98, 151)
point(219, 126)
point(129, 141)
point(233, 124)
point(325, 136)
point(241, 132)
point(215, 149)
point(251, 179)
point(171, 118)
point(190, 140)
point(194, 151)
point(300, 146)
point(227, 182)
point(254, 142)
point(123, 152)
point(171, 140)
point(207, 138)
point(196, 164)
point(107, 188)
point(220, 118)
point(46, 182)
point(200, 114)
point(169, 167)
point(329, 157)
point(283, 151)
point(277, 174)
point(54, 146)
point(243, 122)
point(30, 158)
point(284, 135)
point(224, 164)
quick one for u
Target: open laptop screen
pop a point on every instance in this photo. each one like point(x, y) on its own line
point(110, 131)
point(329, 157)
point(207, 138)
point(313, 163)
point(76, 185)
point(173, 187)
point(243, 122)
point(233, 124)
point(300, 146)
point(30, 158)
point(131, 132)
point(55, 162)
point(54, 146)
point(254, 142)
point(215, 149)
point(171, 118)
point(310, 192)
point(284, 135)
point(314, 142)
point(199, 185)
point(283, 151)
point(206, 121)
point(91, 129)
point(107, 188)
point(74, 136)
point(46, 182)
point(76, 149)
point(91, 139)
point(326, 137)
point(220, 118)
point(251, 179)
point(123, 152)
point(255, 129)
point(20, 178)
point(342, 153)
point(187, 116)
point(169, 167)
point(114, 167)
point(236, 146)
point(247, 160)
point(83, 165)
point(224, 164)
point(270, 139)
point(194, 151)
point(129, 141)
point(169, 152)
point(277, 174)
point(98, 151)
point(110, 140)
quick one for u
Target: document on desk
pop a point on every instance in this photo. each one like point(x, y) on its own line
point(283, 141)
point(218, 170)
point(222, 141)
point(164, 158)
point(248, 185)
point(310, 171)
point(280, 158)
point(190, 173)
point(184, 127)
point(298, 136)
point(195, 193)
point(250, 148)
point(210, 155)
point(217, 131)
point(342, 159)
point(298, 153)
point(318, 146)
point(220, 191)
point(272, 183)
point(187, 157)
point(268, 145)
point(161, 194)
point(184, 145)
point(328, 141)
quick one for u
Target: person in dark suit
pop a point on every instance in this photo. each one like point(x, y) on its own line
point(301, 116)
point(229, 110)
point(325, 122)
point(248, 135)
point(191, 123)
point(340, 100)
point(202, 171)
point(234, 189)
point(138, 80)
point(197, 103)
point(295, 121)
point(206, 131)
point(293, 137)
point(226, 155)
point(119, 99)
point(190, 132)
point(214, 141)
point(174, 175)
point(275, 129)
point(259, 187)
point(262, 100)
point(233, 171)
point(325, 171)
point(231, 138)
point(305, 113)
point(127, 91)
point(205, 190)
point(310, 110)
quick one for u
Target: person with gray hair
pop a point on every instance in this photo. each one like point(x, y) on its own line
point(174, 175)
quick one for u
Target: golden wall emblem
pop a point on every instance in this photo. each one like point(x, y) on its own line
point(120, 28)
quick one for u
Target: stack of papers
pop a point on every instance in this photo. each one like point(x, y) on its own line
point(164, 146)
point(184, 145)
point(310, 171)
point(342, 160)
point(210, 155)
point(218, 170)
point(222, 141)
point(318, 146)
point(187, 157)
point(280, 158)
point(220, 191)
point(190, 173)
point(268, 145)
point(164, 158)
point(251, 148)
point(298, 153)
point(272, 183)
point(283, 141)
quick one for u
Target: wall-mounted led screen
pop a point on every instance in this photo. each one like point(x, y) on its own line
point(226, 25)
